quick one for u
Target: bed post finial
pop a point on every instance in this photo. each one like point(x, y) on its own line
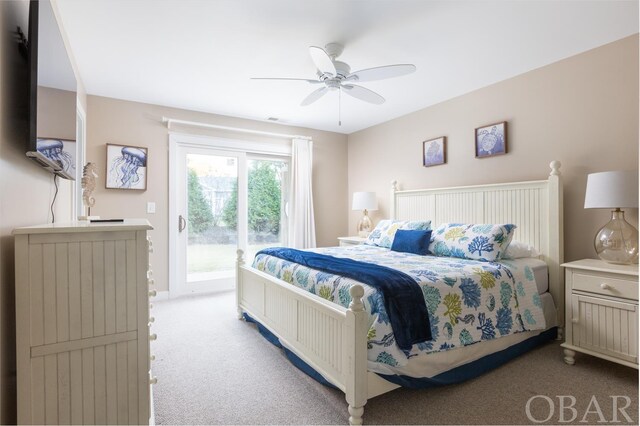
point(357, 292)
point(240, 256)
point(555, 168)
point(394, 185)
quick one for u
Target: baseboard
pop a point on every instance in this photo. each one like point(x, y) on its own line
point(164, 295)
point(161, 295)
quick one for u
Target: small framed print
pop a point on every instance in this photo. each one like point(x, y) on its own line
point(126, 167)
point(491, 140)
point(434, 152)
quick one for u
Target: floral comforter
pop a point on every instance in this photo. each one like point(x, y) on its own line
point(468, 300)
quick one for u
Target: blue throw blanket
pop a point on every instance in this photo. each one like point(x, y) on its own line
point(403, 298)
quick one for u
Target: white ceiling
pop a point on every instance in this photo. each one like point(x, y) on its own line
point(200, 54)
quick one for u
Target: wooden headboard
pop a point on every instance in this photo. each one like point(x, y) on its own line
point(534, 206)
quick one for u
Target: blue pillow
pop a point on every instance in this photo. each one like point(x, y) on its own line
point(412, 241)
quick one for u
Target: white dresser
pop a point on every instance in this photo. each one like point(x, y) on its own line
point(82, 320)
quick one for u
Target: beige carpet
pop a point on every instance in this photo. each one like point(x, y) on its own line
point(215, 369)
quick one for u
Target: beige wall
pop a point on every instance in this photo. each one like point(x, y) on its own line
point(131, 123)
point(582, 111)
point(26, 192)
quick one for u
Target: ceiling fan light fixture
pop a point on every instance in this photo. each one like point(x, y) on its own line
point(336, 75)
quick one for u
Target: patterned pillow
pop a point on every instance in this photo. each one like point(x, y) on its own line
point(384, 232)
point(476, 242)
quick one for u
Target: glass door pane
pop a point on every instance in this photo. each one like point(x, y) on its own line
point(212, 204)
point(268, 194)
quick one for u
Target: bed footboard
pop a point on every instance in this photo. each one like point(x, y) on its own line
point(328, 337)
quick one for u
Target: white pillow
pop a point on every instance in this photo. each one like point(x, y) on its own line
point(517, 250)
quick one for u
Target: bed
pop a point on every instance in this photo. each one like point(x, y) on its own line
point(333, 339)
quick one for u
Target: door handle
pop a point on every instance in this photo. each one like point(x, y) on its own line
point(182, 223)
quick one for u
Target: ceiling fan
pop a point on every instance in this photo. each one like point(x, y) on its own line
point(336, 75)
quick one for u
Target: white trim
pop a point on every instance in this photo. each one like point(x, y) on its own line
point(173, 217)
point(77, 206)
point(170, 121)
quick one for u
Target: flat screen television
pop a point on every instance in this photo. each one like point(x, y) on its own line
point(52, 91)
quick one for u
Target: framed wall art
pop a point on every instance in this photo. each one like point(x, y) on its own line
point(126, 167)
point(434, 152)
point(491, 140)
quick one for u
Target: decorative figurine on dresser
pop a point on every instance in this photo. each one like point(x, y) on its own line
point(82, 322)
point(88, 183)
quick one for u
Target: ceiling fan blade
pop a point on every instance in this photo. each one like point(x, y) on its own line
point(314, 96)
point(322, 60)
point(286, 79)
point(380, 73)
point(363, 94)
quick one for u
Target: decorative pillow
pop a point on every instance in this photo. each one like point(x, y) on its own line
point(518, 250)
point(408, 241)
point(384, 232)
point(475, 242)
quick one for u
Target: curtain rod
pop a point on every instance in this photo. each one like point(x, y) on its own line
point(169, 121)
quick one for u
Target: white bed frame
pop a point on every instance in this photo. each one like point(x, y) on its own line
point(333, 339)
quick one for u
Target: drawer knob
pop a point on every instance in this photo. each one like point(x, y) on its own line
point(152, 319)
point(574, 320)
point(153, 380)
point(150, 249)
point(149, 273)
point(152, 358)
point(151, 282)
point(153, 293)
point(605, 286)
point(153, 337)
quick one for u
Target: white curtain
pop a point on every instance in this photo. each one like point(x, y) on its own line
point(302, 228)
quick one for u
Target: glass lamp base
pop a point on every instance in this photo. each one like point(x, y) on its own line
point(617, 241)
point(365, 226)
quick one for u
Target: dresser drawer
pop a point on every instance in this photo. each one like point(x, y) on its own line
point(604, 285)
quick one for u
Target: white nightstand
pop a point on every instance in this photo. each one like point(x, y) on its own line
point(601, 311)
point(351, 241)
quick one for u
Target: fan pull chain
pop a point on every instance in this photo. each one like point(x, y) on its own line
point(340, 107)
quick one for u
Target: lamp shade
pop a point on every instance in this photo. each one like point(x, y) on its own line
point(364, 201)
point(618, 189)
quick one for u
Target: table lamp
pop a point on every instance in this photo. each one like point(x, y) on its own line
point(364, 201)
point(617, 241)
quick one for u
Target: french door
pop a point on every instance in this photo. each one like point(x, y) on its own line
point(224, 200)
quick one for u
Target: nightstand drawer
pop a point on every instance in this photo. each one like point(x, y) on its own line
point(605, 285)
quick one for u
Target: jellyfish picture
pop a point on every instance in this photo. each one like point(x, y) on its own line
point(126, 167)
point(59, 151)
